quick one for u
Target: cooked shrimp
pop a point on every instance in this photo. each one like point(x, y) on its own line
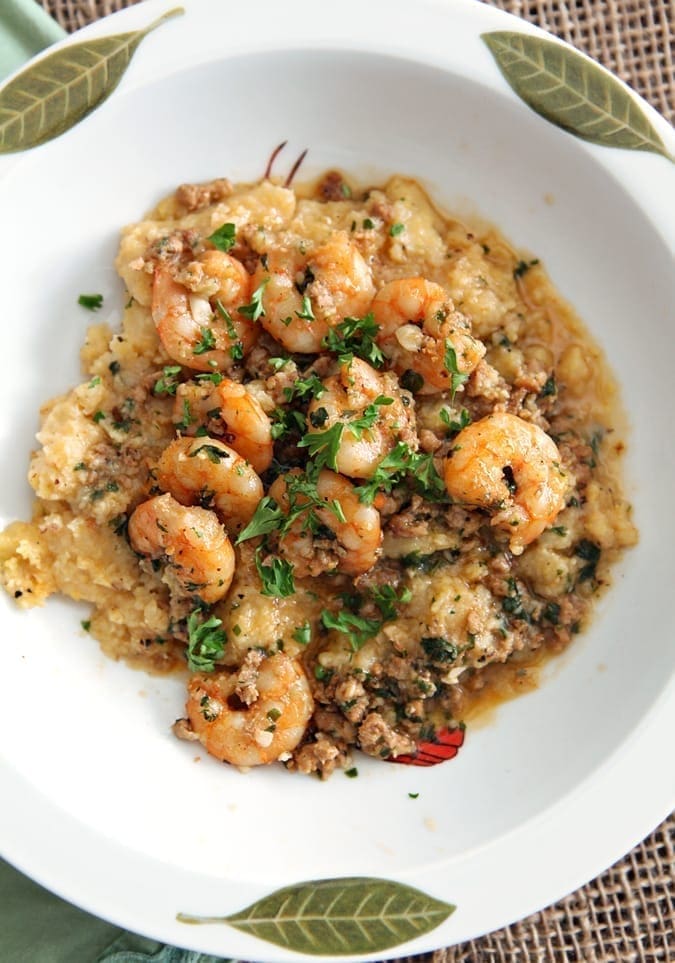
point(251, 733)
point(512, 468)
point(375, 411)
point(198, 554)
point(230, 412)
point(418, 325)
point(196, 314)
point(334, 278)
point(207, 472)
point(352, 541)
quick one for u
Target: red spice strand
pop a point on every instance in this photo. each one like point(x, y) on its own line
point(445, 745)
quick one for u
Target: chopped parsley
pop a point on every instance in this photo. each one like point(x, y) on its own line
point(187, 418)
point(303, 634)
point(167, 383)
point(286, 422)
point(323, 446)
point(306, 314)
point(276, 577)
point(224, 238)
point(207, 342)
point(590, 553)
point(92, 302)
point(370, 415)
point(355, 337)
point(386, 598)
point(396, 229)
point(351, 773)
point(255, 309)
point(206, 641)
point(213, 453)
point(454, 426)
point(311, 386)
point(550, 387)
point(267, 517)
point(439, 649)
point(450, 361)
point(357, 629)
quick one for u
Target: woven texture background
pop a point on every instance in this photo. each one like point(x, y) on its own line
point(627, 915)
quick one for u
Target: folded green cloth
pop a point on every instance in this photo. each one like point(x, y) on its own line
point(25, 29)
point(38, 927)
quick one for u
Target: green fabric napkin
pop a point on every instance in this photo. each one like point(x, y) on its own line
point(25, 29)
point(35, 925)
point(38, 927)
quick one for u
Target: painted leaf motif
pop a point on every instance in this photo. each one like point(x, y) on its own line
point(571, 91)
point(52, 95)
point(333, 917)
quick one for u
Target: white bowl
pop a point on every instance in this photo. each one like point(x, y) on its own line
point(100, 802)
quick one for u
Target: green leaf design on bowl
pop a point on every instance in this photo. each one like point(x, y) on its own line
point(333, 917)
point(573, 92)
point(52, 95)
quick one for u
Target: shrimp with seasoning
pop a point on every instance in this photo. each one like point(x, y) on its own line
point(191, 541)
point(204, 471)
point(352, 530)
point(196, 314)
point(254, 723)
point(375, 411)
point(512, 468)
point(230, 412)
point(305, 295)
point(420, 330)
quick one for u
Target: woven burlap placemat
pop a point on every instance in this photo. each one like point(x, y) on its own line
point(627, 914)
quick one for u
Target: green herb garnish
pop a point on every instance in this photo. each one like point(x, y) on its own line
point(355, 337)
point(357, 629)
point(91, 301)
point(168, 382)
point(224, 238)
point(276, 577)
point(206, 641)
point(303, 634)
point(457, 377)
point(255, 309)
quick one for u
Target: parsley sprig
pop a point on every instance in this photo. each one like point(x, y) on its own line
point(276, 576)
point(206, 641)
point(224, 238)
point(355, 337)
point(255, 309)
point(395, 467)
point(457, 377)
point(357, 629)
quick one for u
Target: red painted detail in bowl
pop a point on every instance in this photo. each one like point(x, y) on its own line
point(445, 745)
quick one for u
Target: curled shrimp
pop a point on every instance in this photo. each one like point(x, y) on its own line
point(254, 722)
point(198, 554)
point(305, 295)
point(350, 542)
point(196, 314)
point(230, 412)
point(205, 471)
point(511, 468)
point(375, 412)
point(420, 330)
